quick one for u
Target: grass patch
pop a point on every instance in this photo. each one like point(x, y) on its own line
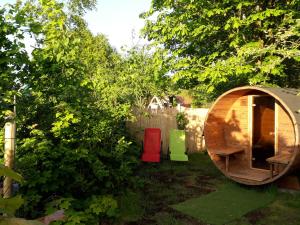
point(165, 218)
point(230, 202)
point(130, 207)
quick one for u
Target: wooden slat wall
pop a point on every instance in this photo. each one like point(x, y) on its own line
point(236, 123)
point(215, 126)
point(228, 122)
point(227, 125)
point(166, 120)
point(237, 130)
point(285, 131)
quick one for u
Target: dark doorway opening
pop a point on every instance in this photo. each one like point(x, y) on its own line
point(263, 131)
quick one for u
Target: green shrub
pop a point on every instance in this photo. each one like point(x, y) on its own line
point(59, 171)
point(181, 120)
point(88, 211)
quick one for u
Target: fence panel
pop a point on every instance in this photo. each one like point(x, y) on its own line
point(166, 120)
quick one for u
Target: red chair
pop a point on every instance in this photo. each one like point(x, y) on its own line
point(152, 145)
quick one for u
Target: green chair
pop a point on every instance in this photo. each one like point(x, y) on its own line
point(177, 148)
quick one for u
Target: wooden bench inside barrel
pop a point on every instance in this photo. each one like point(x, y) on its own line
point(281, 159)
point(227, 152)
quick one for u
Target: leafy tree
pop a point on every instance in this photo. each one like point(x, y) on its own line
point(72, 142)
point(213, 46)
point(13, 56)
point(81, 6)
point(143, 74)
point(75, 93)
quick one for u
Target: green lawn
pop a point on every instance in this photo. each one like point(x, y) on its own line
point(161, 186)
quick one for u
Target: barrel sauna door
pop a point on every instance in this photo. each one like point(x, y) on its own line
point(263, 129)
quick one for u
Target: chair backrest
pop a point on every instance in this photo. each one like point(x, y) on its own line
point(152, 140)
point(177, 141)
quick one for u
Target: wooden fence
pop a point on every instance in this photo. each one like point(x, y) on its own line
point(166, 120)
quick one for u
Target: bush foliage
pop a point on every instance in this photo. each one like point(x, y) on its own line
point(74, 94)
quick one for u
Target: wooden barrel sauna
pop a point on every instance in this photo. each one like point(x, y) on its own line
point(252, 133)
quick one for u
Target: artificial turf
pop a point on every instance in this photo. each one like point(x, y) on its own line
point(229, 202)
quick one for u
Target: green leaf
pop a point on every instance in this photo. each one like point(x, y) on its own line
point(10, 205)
point(297, 58)
point(5, 171)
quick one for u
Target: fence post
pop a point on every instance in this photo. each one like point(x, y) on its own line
point(9, 148)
